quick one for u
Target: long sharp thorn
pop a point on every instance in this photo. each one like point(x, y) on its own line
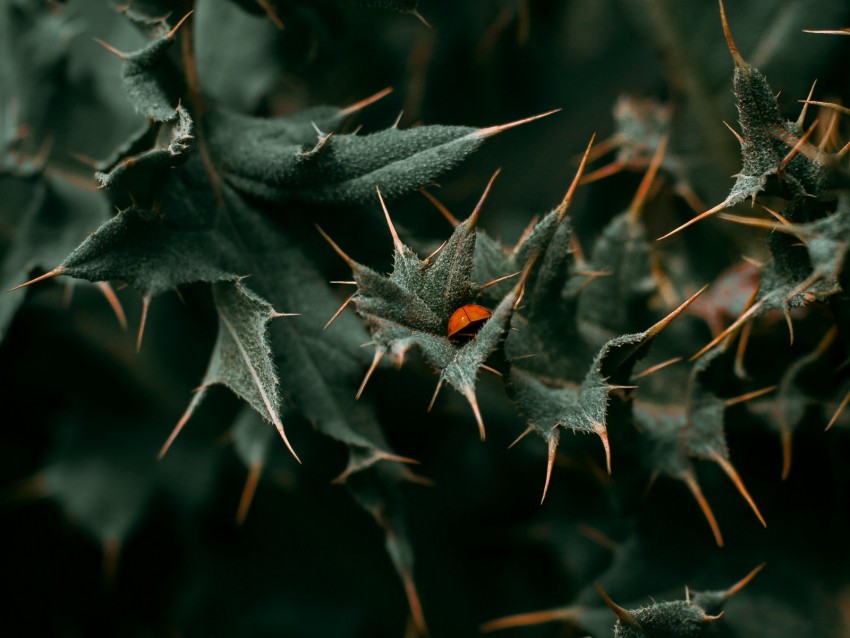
point(829, 105)
point(111, 49)
point(797, 146)
point(255, 470)
point(601, 173)
point(475, 213)
point(734, 589)
point(841, 407)
point(396, 241)
point(469, 393)
point(379, 354)
point(828, 31)
point(550, 462)
point(740, 369)
point(735, 133)
point(734, 326)
point(524, 434)
point(750, 395)
point(146, 304)
point(177, 26)
point(454, 221)
point(499, 280)
point(339, 312)
point(271, 13)
point(436, 392)
point(776, 215)
point(495, 130)
point(530, 619)
point(786, 312)
point(491, 370)
point(625, 616)
point(48, 275)
point(844, 150)
point(348, 110)
point(736, 56)
point(785, 441)
point(415, 13)
point(801, 120)
point(193, 404)
point(757, 222)
point(733, 475)
point(639, 201)
point(711, 211)
point(348, 260)
point(564, 206)
point(114, 303)
point(413, 602)
point(657, 367)
point(658, 327)
point(827, 136)
point(691, 481)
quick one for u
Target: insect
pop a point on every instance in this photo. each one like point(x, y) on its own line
point(466, 321)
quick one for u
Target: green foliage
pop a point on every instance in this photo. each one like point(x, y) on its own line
point(194, 153)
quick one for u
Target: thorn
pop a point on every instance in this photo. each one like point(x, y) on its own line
point(414, 603)
point(379, 354)
point(428, 259)
point(397, 119)
point(786, 312)
point(454, 221)
point(196, 400)
point(554, 437)
point(255, 470)
point(691, 481)
point(732, 473)
point(844, 150)
point(146, 303)
point(348, 110)
point(805, 110)
point(475, 213)
point(739, 368)
point(48, 275)
point(606, 171)
point(271, 13)
point(436, 392)
point(755, 263)
point(531, 618)
point(756, 222)
point(828, 31)
point(829, 105)
point(735, 133)
point(526, 232)
point(750, 395)
point(639, 201)
point(841, 407)
point(347, 283)
point(785, 442)
point(827, 136)
point(734, 589)
point(777, 216)
point(396, 241)
point(797, 146)
point(577, 251)
point(499, 280)
point(278, 315)
point(658, 327)
point(348, 260)
point(339, 312)
point(602, 432)
point(495, 130)
point(657, 367)
point(734, 326)
point(707, 618)
point(564, 206)
point(736, 56)
point(420, 17)
point(711, 211)
point(599, 537)
point(491, 370)
point(625, 616)
point(469, 393)
point(177, 26)
point(111, 558)
point(111, 49)
point(114, 303)
point(525, 433)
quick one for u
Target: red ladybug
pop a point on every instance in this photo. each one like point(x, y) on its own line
point(466, 321)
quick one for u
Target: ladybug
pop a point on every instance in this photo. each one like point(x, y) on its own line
point(466, 321)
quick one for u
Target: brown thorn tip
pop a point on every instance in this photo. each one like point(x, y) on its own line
point(396, 241)
point(750, 395)
point(445, 212)
point(196, 399)
point(602, 432)
point(732, 327)
point(146, 304)
point(379, 354)
point(550, 462)
point(733, 475)
point(499, 280)
point(255, 470)
point(348, 110)
point(658, 327)
point(734, 589)
point(805, 109)
point(623, 614)
point(841, 407)
point(339, 251)
point(828, 31)
point(639, 201)
point(829, 105)
point(524, 434)
point(436, 392)
point(48, 275)
point(711, 211)
point(736, 56)
point(469, 393)
point(735, 133)
point(177, 26)
point(495, 130)
point(529, 619)
point(420, 17)
point(114, 303)
point(564, 206)
point(475, 213)
point(691, 481)
point(785, 442)
point(339, 311)
point(111, 49)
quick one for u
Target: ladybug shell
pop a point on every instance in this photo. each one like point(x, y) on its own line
point(466, 321)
